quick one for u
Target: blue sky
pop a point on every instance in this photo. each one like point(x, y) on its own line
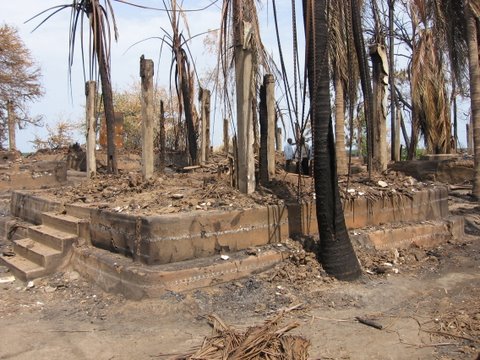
point(49, 48)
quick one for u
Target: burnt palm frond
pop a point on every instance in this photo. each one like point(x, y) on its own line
point(450, 27)
point(101, 19)
point(429, 97)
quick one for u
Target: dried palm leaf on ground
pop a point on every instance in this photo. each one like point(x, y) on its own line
point(268, 341)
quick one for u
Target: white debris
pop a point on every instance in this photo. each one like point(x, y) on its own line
point(224, 257)
point(177, 196)
point(351, 191)
point(30, 284)
point(7, 279)
point(382, 183)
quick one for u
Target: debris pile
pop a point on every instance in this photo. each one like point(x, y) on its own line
point(267, 341)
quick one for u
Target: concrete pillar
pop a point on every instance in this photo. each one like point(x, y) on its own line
point(263, 156)
point(205, 130)
point(12, 144)
point(226, 137)
point(380, 87)
point(244, 82)
point(146, 73)
point(90, 93)
point(279, 139)
point(161, 162)
point(269, 83)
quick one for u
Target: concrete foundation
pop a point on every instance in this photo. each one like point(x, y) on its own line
point(182, 251)
point(38, 175)
point(117, 274)
point(171, 238)
point(425, 234)
point(440, 168)
point(431, 204)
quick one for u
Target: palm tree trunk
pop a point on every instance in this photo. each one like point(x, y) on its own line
point(473, 55)
point(394, 128)
point(342, 166)
point(336, 252)
point(107, 96)
point(364, 77)
point(109, 116)
point(187, 105)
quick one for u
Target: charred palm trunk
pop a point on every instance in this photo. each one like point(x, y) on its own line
point(342, 164)
point(364, 77)
point(106, 89)
point(474, 68)
point(187, 105)
point(336, 252)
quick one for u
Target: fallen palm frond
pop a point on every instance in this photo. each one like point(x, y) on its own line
point(267, 341)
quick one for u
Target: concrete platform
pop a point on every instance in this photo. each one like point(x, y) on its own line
point(423, 234)
point(115, 273)
point(146, 256)
point(171, 238)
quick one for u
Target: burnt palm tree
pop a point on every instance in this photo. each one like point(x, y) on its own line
point(336, 252)
point(101, 20)
point(472, 14)
point(457, 30)
point(345, 76)
point(431, 113)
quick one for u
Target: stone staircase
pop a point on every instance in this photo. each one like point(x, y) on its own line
point(46, 248)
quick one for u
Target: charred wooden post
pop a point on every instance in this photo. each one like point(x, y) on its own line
point(205, 126)
point(146, 73)
point(226, 137)
point(90, 93)
point(12, 143)
point(161, 160)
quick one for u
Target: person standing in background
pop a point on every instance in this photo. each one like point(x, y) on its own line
point(289, 153)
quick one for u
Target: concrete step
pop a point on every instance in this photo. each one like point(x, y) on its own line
point(62, 222)
point(52, 237)
point(38, 253)
point(78, 211)
point(22, 268)
point(135, 280)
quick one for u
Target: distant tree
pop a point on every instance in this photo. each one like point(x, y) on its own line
point(128, 103)
point(19, 85)
point(59, 135)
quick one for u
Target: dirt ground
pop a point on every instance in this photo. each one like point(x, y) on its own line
point(427, 301)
